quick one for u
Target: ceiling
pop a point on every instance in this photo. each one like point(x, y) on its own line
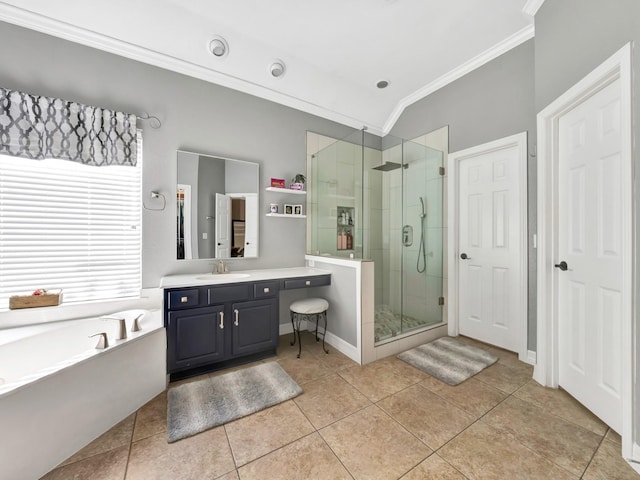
point(335, 51)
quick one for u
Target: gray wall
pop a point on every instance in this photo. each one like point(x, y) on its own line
point(494, 101)
point(211, 177)
point(196, 116)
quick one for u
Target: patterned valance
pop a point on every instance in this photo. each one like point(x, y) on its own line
point(33, 126)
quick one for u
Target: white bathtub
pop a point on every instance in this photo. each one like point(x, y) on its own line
point(58, 392)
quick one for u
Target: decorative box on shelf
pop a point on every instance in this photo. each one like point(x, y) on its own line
point(30, 301)
point(277, 182)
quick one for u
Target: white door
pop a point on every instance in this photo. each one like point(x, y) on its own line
point(491, 272)
point(590, 243)
point(251, 231)
point(223, 226)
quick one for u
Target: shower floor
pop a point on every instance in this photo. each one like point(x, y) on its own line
point(389, 324)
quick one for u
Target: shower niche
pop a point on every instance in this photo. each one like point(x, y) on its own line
point(345, 220)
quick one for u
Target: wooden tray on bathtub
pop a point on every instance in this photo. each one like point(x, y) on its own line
point(30, 301)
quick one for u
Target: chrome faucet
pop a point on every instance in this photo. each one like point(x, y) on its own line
point(121, 334)
point(221, 268)
point(103, 342)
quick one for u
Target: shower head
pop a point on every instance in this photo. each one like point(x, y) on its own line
point(387, 167)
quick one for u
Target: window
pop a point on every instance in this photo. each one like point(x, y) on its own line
point(69, 226)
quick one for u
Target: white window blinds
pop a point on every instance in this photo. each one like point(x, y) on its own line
point(64, 225)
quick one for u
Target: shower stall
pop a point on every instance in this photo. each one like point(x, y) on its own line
point(382, 199)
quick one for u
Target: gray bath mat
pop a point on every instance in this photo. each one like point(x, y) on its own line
point(448, 359)
point(197, 406)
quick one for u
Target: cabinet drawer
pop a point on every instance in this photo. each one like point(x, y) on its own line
point(184, 298)
point(229, 293)
point(307, 282)
point(266, 289)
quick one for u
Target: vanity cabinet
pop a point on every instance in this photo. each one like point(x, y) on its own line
point(211, 324)
point(215, 326)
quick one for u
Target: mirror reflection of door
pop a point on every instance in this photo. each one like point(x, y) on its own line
point(223, 226)
point(184, 205)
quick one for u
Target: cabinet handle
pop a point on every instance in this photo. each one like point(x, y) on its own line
point(308, 282)
point(221, 320)
point(184, 299)
point(235, 322)
point(266, 290)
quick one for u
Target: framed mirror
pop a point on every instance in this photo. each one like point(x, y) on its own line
point(217, 207)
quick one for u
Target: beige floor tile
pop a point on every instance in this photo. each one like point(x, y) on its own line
point(564, 443)
point(110, 465)
point(206, 455)
point(560, 403)
point(118, 436)
point(485, 453)
point(414, 374)
point(473, 396)
point(151, 419)
point(613, 437)
point(306, 458)
point(304, 369)
point(429, 417)
point(434, 468)
point(377, 380)
point(503, 378)
point(371, 445)
point(329, 399)
point(229, 476)
point(188, 380)
point(335, 360)
point(608, 464)
point(256, 435)
point(510, 359)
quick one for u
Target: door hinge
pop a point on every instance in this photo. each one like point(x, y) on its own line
point(441, 170)
point(441, 301)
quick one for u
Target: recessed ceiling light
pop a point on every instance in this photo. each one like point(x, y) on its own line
point(219, 47)
point(382, 84)
point(277, 69)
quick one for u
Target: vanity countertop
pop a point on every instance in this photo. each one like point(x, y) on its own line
point(193, 279)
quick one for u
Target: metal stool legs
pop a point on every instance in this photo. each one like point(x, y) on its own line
point(296, 318)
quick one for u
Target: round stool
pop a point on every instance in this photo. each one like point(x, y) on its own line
point(305, 308)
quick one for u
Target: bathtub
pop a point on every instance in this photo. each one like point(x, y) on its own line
point(58, 392)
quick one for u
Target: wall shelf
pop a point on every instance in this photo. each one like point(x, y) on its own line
point(287, 215)
point(286, 190)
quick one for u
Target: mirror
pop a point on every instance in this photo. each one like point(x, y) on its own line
point(217, 207)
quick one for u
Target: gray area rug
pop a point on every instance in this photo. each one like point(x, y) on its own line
point(449, 360)
point(197, 406)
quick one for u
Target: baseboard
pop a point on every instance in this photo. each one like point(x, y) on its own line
point(336, 342)
point(531, 357)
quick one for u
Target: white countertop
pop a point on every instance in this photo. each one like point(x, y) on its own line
point(195, 279)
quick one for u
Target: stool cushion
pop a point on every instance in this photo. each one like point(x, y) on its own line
point(309, 306)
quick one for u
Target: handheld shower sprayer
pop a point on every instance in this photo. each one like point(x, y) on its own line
point(421, 264)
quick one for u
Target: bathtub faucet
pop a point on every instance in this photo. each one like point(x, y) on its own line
point(102, 341)
point(122, 327)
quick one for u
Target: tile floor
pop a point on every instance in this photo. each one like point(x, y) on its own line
point(386, 420)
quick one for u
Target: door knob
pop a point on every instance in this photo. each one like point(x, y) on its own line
point(464, 256)
point(562, 266)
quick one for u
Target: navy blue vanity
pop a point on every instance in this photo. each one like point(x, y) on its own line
point(217, 321)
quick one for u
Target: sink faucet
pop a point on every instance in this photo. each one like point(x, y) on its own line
point(221, 268)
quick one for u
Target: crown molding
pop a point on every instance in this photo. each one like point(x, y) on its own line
point(66, 31)
point(504, 46)
point(532, 6)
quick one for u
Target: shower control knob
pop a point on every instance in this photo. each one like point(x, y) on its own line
point(464, 256)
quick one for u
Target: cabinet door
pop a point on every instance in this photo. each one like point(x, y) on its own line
point(254, 326)
point(195, 337)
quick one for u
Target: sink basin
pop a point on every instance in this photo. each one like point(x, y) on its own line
point(221, 277)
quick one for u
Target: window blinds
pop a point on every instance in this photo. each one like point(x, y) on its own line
point(69, 226)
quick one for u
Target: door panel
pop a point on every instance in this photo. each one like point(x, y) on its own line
point(589, 240)
point(490, 299)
